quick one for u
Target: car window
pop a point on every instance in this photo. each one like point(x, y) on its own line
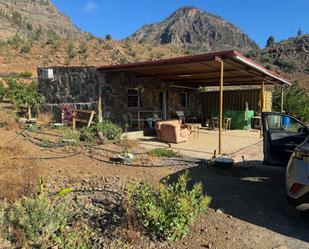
point(284, 123)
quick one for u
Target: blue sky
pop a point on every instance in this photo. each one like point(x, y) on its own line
point(120, 18)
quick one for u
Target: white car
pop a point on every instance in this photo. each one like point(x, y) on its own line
point(286, 142)
point(297, 180)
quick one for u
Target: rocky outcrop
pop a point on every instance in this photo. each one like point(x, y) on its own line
point(33, 18)
point(195, 30)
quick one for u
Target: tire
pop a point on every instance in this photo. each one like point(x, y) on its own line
point(292, 211)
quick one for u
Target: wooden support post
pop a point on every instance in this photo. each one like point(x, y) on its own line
point(74, 120)
point(262, 108)
point(62, 116)
point(100, 112)
point(90, 119)
point(221, 107)
point(29, 113)
point(282, 98)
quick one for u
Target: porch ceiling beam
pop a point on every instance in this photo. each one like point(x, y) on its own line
point(215, 84)
point(184, 73)
point(214, 79)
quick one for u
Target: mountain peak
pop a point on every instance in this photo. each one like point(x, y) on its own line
point(32, 18)
point(194, 29)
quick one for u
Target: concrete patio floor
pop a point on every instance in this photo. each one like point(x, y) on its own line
point(236, 143)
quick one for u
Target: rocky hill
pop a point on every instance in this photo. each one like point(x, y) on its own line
point(195, 30)
point(290, 56)
point(34, 33)
point(33, 18)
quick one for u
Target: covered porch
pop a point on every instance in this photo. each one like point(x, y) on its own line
point(158, 90)
point(207, 142)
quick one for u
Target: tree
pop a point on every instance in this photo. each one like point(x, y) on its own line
point(299, 32)
point(32, 98)
point(270, 41)
point(295, 101)
point(24, 95)
point(108, 37)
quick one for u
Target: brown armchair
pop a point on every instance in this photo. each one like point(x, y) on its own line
point(174, 133)
point(159, 124)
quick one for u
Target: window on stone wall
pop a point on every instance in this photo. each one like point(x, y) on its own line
point(184, 99)
point(133, 97)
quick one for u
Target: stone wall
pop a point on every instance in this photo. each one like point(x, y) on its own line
point(70, 85)
point(80, 85)
point(115, 98)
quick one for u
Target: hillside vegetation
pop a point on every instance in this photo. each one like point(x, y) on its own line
point(34, 33)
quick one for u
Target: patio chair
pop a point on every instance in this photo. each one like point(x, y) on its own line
point(159, 124)
point(174, 133)
point(227, 123)
point(214, 123)
point(181, 116)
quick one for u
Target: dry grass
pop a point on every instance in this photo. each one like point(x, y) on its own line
point(8, 120)
point(131, 144)
point(18, 177)
point(45, 118)
point(132, 230)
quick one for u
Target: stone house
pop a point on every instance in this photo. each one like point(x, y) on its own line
point(158, 89)
point(123, 95)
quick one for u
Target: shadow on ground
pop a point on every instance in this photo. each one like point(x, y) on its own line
point(250, 192)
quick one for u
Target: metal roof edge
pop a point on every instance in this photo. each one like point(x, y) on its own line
point(240, 57)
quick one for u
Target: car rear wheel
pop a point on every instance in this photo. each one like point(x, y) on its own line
point(292, 211)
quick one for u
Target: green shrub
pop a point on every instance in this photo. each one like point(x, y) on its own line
point(2, 44)
point(43, 222)
point(15, 41)
point(83, 47)
point(71, 53)
point(25, 74)
point(37, 218)
point(3, 207)
point(167, 210)
point(285, 65)
point(14, 91)
point(88, 134)
point(163, 152)
point(22, 94)
point(76, 237)
point(108, 37)
point(110, 130)
point(69, 134)
point(17, 18)
point(29, 26)
point(295, 103)
point(26, 48)
point(2, 91)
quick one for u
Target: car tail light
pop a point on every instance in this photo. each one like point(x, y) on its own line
point(295, 188)
point(299, 154)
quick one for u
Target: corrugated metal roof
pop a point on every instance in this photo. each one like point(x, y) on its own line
point(202, 69)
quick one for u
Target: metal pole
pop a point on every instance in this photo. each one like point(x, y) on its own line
point(262, 108)
point(221, 107)
point(282, 98)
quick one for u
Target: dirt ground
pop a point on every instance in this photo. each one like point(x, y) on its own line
point(247, 209)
